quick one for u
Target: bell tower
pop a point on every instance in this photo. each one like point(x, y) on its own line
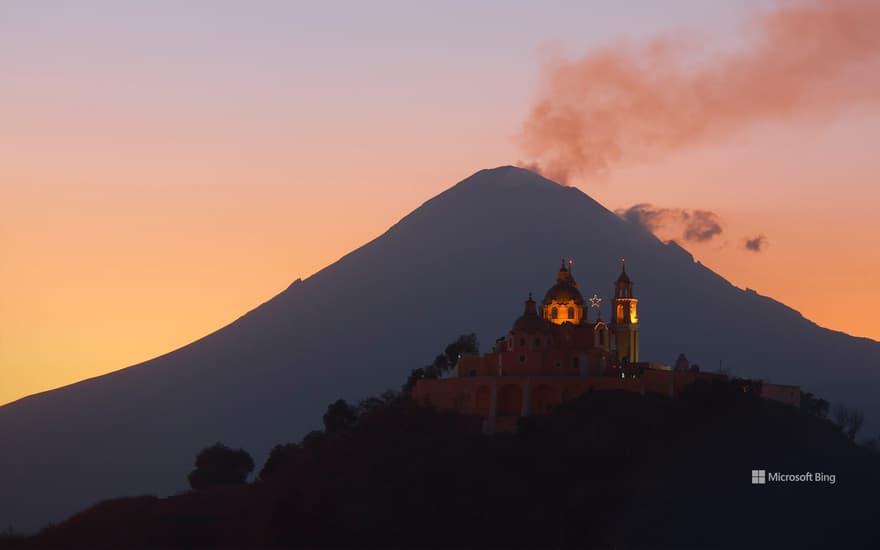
point(625, 324)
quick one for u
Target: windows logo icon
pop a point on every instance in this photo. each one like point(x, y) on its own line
point(759, 477)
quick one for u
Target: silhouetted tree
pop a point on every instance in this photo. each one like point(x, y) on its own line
point(220, 465)
point(441, 363)
point(340, 416)
point(849, 420)
point(311, 439)
point(389, 396)
point(856, 419)
point(464, 344)
point(418, 374)
point(841, 415)
point(370, 404)
point(280, 454)
point(814, 405)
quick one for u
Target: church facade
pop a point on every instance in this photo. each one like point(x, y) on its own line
point(556, 351)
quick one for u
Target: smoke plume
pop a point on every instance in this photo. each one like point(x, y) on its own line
point(756, 244)
point(689, 225)
point(636, 102)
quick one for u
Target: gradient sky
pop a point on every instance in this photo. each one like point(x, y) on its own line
point(167, 166)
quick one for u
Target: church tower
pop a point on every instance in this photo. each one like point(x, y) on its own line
point(626, 320)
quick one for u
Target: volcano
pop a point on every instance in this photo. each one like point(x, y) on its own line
point(462, 262)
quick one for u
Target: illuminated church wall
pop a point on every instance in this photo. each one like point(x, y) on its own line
point(558, 312)
point(543, 361)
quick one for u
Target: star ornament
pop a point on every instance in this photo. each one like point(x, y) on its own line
point(595, 301)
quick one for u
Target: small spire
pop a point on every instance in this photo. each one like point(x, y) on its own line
point(564, 275)
point(623, 281)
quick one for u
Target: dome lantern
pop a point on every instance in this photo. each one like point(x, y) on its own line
point(563, 303)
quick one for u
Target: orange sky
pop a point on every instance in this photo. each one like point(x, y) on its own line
point(147, 199)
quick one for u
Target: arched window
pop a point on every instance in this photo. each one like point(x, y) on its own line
point(571, 313)
point(537, 342)
point(575, 363)
point(554, 313)
point(522, 342)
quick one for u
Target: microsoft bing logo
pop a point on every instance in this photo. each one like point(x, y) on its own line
point(761, 477)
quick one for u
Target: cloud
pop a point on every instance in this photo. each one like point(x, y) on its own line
point(690, 225)
point(756, 244)
point(633, 102)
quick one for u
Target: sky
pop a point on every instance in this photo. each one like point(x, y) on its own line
point(166, 167)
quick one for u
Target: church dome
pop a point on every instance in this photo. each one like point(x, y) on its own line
point(530, 321)
point(565, 290)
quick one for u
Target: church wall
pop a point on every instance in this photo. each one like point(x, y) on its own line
point(790, 395)
point(557, 362)
point(519, 395)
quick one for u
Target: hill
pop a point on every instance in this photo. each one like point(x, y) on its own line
point(462, 262)
point(611, 470)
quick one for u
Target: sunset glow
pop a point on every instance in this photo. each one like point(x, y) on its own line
point(168, 167)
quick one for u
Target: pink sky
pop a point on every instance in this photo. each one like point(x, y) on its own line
point(166, 168)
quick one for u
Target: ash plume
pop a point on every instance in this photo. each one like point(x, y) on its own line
point(636, 102)
point(756, 244)
point(689, 225)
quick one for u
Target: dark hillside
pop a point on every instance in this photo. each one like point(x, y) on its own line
point(612, 470)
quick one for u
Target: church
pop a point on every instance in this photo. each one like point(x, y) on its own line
point(557, 351)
